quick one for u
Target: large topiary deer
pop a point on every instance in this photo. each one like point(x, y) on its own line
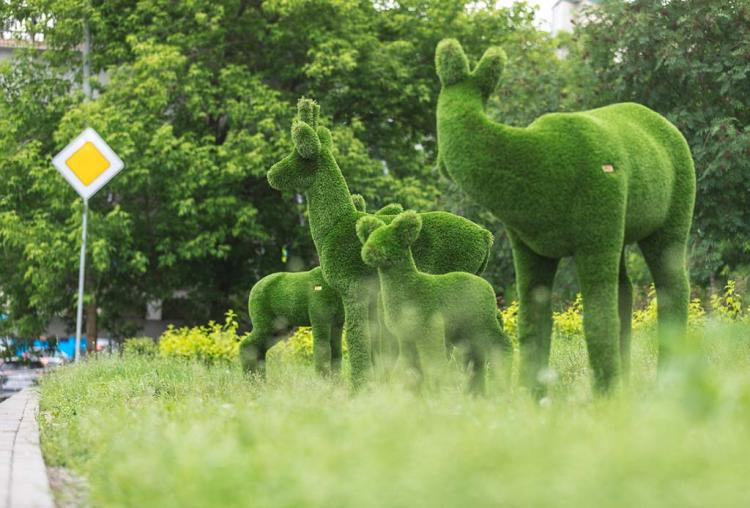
point(448, 242)
point(574, 184)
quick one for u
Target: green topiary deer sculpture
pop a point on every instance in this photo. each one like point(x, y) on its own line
point(281, 301)
point(574, 184)
point(427, 312)
point(448, 243)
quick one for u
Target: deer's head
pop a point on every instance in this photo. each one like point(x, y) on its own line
point(384, 246)
point(453, 69)
point(297, 171)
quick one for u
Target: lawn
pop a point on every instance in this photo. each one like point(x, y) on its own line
point(156, 432)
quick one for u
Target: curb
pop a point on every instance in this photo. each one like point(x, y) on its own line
point(23, 475)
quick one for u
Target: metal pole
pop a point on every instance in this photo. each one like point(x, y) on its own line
point(82, 270)
point(86, 78)
point(86, 64)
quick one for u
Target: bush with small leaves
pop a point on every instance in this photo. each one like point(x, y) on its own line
point(140, 346)
point(212, 343)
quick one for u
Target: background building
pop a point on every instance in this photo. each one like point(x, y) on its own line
point(565, 14)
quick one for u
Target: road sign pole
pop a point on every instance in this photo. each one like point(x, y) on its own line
point(86, 78)
point(82, 271)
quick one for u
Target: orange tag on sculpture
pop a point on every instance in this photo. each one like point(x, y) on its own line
point(608, 168)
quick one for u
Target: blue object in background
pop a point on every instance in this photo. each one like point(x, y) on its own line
point(65, 345)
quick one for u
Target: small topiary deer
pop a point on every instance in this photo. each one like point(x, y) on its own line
point(448, 242)
point(574, 184)
point(427, 312)
point(282, 301)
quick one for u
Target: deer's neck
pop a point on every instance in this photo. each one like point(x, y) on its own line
point(398, 276)
point(328, 200)
point(480, 154)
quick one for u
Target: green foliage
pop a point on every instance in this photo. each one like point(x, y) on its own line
point(213, 343)
point(690, 61)
point(165, 433)
point(429, 312)
point(569, 322)
point(448, 242)
point(727, 306)
point(628, 185)
point(140, 346)
point(297, 350)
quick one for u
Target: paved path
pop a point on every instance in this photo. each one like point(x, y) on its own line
point(23, 477)
point(14, 380)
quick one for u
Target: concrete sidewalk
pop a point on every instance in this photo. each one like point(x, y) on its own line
point(23, 476)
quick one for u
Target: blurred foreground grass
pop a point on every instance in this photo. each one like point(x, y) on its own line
point(157, 432)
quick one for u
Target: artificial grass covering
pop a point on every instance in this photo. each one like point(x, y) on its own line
point(427, 312)
point(574, 184)
point(448, 243)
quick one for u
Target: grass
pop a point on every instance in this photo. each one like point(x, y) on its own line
point(166, 433)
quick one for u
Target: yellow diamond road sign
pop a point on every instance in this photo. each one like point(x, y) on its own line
point(87, 163)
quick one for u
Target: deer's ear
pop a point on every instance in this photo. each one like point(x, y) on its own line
point(392, 209)
point(407, 226)
point(306, 140)
point(359, 202)
point(366, 225)
point(308, 111)
point(489, 69)
point(450, 62)
point(325, 137)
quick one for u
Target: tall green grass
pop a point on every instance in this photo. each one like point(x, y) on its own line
point(155, 432)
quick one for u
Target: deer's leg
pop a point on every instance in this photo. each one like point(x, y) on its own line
point(321, 330)
point(598, 274)
point(388, 341)
point(253, 348)
point(356, 325)
point(481, 349)
point(376, 334)
point(498, 351)
point(337, 329)
point(430, 346)
point(666, 259)
point(535, 275)
point(625, 301)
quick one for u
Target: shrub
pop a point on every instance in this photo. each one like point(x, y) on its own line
point(140, 346)
point(510, 319)
point(569, 322)
point(211, 343)
point(727, 306)
point(298, 349)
